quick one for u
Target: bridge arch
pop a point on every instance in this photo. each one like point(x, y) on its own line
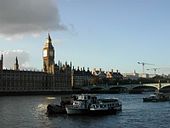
point(97, 89)
point(76, 88)
point(118, 89)
point(165, 88)
point(79, 89)
point(144, 88)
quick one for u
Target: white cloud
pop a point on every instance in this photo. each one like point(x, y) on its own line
point(20, 17)
point(10, 57)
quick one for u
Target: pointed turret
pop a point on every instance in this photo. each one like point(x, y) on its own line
point(49, 38)
point(1, 62)
point(48, 42)
point(16, 65)
point(16, 60)
point(1, 56)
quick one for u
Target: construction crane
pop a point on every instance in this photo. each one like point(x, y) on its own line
point(161, 68)
point(143, 65)
point(154, 69)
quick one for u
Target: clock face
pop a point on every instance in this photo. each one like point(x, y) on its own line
point(44, 53)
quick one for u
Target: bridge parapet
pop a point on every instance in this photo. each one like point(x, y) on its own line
point(164, 85)
point(157, 85)
point(128, 86)
point(132, 86)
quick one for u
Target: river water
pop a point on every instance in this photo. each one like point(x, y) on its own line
point(29, 112)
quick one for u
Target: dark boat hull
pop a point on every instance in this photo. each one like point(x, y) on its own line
point(77, 111)
point(157, 97)
point(55, 109)
point(154, 100)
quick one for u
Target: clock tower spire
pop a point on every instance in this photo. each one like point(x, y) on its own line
point(48, 56)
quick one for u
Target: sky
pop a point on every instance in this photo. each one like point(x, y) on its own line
point(107, 34)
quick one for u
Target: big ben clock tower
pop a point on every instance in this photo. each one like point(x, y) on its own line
point(48, 56)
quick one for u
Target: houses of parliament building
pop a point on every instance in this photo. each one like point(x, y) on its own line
point(54, 77)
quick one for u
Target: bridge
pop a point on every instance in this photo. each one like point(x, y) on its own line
point(127, 87)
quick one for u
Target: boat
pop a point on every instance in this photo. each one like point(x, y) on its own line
point(81, 104)
point(156, 97)
point(53, 109)
point(87, 104)
point(105, 106)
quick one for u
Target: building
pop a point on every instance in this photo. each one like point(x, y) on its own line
point(81, 77)
point(131, 76)
point(54, 77)
point(63, 77)
point(61, 73)
point(99, 73)
point(114, 75)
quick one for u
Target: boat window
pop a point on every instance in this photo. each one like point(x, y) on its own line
point(101, 106)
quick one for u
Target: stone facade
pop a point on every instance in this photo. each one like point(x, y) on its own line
point(81, 77)
point(53, 78)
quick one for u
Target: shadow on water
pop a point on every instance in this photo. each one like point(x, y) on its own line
point(78, 121)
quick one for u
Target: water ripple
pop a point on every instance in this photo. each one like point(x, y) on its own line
point(29, 112)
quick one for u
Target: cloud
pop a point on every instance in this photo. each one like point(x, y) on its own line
point(10, 56)
point(20, 17)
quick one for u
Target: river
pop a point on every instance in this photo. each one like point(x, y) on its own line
point(29, 112)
